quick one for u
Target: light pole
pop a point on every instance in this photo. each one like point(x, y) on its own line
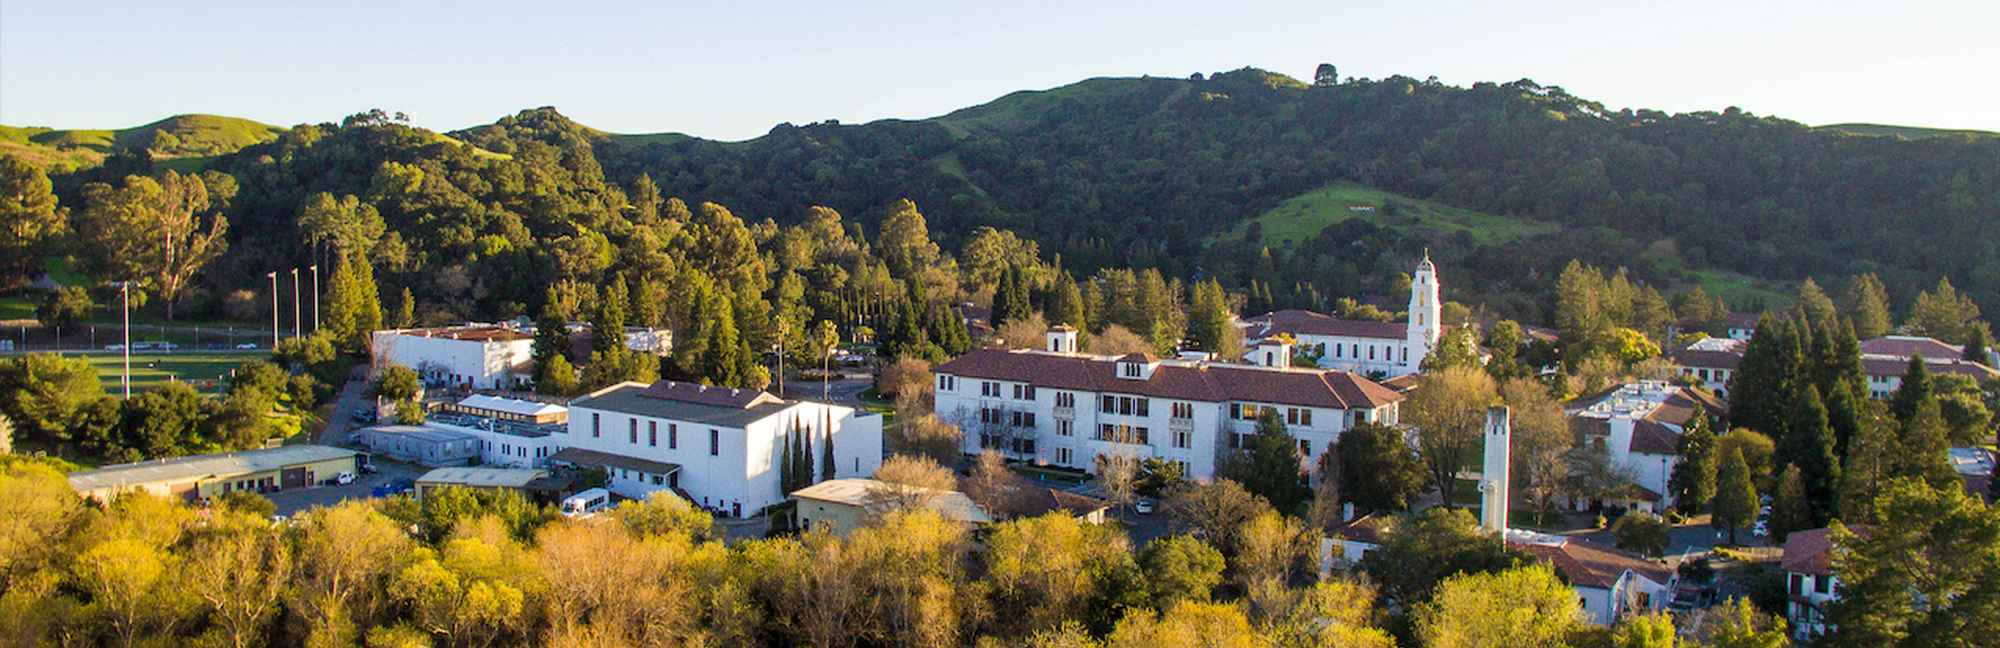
point(315, 270)
point(297, 326)
point(125, 297)
point(274, 308)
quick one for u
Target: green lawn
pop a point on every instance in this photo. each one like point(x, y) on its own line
point(1301, 217)
point(204, 370)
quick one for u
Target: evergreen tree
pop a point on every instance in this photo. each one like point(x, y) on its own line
point(1915, 390)
point(406, 311)
point(1760, 391)
point(806, 463)
point(607, 327)
point(1209, 319)
point(1735, 502)
point(556, 377)
point(1791, 507)
point(722, 361)
point(1923, 451)
point(1867, 467)
point(827, 468)
point(944, 326)
point(353, 305)
point(1268, 464)
point(1693, 480)
point(1065, 303)
point(1976, 346)
point(1808, 446)
point(551, 342)
point(1016, 306)
point(1844, 412)
point(1866, 302)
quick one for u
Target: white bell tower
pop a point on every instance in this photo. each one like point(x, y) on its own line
point(1493, 473)
point(1422, 333)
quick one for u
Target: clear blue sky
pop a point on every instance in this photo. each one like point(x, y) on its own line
point(732, 70)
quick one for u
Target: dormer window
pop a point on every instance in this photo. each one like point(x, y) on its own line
point(1131, 370)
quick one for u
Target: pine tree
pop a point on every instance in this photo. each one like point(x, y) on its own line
point(551, 341)
point(353, 305)
point(1808, 446)
point(368, 316)
point(608, 326)
point(1760, 391)
point(1065, 303)
point(556, 377)
point(1866, 469)
point(1866, 302)
point(1791, 507)
point(1915, 390)
point(1209, 319)
point(1923, 452)
point(1843, 414)
point(406, 311)
point(1693, 480)
point(721, 362)
point(1735, 502)
point(1975, 347)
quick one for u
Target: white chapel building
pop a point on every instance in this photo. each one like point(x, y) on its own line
point(1385, 349)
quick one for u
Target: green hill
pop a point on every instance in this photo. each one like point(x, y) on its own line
point(1299, 218)
point(1903, 132)
point(173, 138)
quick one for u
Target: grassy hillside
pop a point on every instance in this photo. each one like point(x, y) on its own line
point(1903, 132)
point(187, 138)
point(1020, 110)
point(1301, 217)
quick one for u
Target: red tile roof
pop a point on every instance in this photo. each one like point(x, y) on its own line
point(1904, 346)
point(1303, 322)
point(1742, 320)
point(1367, 528)
point(1210, 382)
point(1593, 565)
point(1706, 359)
point(1884, 366)
point(1811, 551)
point(469, 333)
point(1649, 437)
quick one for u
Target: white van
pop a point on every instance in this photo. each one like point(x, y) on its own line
point(586, 502)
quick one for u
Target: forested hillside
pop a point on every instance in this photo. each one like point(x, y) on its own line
point(1166, 173)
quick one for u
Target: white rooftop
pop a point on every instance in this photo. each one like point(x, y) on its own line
point(1630, 400)
point(511, 405)
point(951, 504)
point(1972, 461)
point(482, 477)
point(203, 466)
point(1728, 345)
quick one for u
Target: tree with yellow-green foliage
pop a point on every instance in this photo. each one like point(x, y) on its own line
point(1041, 571)
point(1526, 607)
point(1449, 412)
point(1188, 624)
point(160, 230)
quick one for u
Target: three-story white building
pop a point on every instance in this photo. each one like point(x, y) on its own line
point(1068, 409)
point(721, 448)
point(1385, 349)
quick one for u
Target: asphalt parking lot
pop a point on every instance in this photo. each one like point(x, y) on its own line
point(290, 502)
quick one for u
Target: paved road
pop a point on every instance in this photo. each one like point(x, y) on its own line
point(291, 502)
point(845, 390)
point(353, 396)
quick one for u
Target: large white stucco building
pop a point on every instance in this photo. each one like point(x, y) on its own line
point(475, 356)
point(1384, 349)
point(1640, 426)
point(720, 448)
point(1067, 409)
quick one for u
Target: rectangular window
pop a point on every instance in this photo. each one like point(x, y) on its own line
point(652, 434)
point(673, 436)
point(1065, 399)
point(1305, 416)
point(1106, 432)
point(1065, 427)
point(1183, 410)
point(714, 442)
point(1406, 355)
point(1291, 416)
point(1017, 392)
point(1798, 584)
point(1305, 448)
point(1183, 439)
point(1028, 419)
point(1062, 455)
point(1371, 352)
point(632, 431)
point(1108, 405)
point(1338, 352)
point(593, 425)
point(1139, 435)
point(1145, 406)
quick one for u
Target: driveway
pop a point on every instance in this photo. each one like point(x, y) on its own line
point(291, 502)
point(340, 422)
point(845, 390)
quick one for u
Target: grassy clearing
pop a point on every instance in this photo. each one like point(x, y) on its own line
point(1737, 290)
point(205, 371)
point(1301, 217)
point(1903, 132)
point(1019, 110)
point(181, 142)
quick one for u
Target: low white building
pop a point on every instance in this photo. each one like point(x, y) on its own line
point(722, 448)
point(475, 356)
point(1069, 409)
point(1809, 582)
point(1609, 583)
point(1886, 360)
point(1710, 361)
point(1640, 426)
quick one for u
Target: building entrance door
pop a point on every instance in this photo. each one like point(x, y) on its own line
point(294, 478)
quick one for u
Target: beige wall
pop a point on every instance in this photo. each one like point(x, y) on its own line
point(837, 517)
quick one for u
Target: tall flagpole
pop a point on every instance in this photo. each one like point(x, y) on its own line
point(297, 325)
point(315, 269)
point(125, 293)
point(274, 308)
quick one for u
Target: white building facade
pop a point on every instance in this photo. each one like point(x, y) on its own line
point(473, 356)
point(1640, 425)
point(1382, 349)
point(721, 448)
point(1070, 409)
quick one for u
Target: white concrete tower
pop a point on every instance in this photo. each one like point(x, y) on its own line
point(1424, 327)
point(1493, 474)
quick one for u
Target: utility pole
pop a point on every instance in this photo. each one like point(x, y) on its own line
point(274, 308)
point(315, 269)
point(125, 296)
point(297, 326)
point(780, 348)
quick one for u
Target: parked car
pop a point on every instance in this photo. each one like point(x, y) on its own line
point(362, 415)
point(344, 478)
point(247, 346)
point(1143, 505)
point(1762, 529)
point(367, 466)
point(114, 347)
point(397, 487)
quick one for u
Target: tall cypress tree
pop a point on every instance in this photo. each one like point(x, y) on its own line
point(1915, 390)
point(1065, 303)
point(1735, 502)
point(1760, 392)
point(1693, 481)
point(1808, 446)
point(1867, 468)
point(608, 326)
point(827, 468)
point(788, 461)
point(806, 463)
point(1002, 301)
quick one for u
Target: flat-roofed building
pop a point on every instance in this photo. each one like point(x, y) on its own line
point(510, 409)
point(506, 429)
point(475, 356)
point(842, 505)
point(204, 476)
point(420, 444)
point(480, 478)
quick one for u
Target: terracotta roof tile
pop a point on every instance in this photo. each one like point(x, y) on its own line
point(1649, 437)
point(1904, 346)
point(1593, 565)
point(1811, 551)
point(1886, 366)
point(1306, 322)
